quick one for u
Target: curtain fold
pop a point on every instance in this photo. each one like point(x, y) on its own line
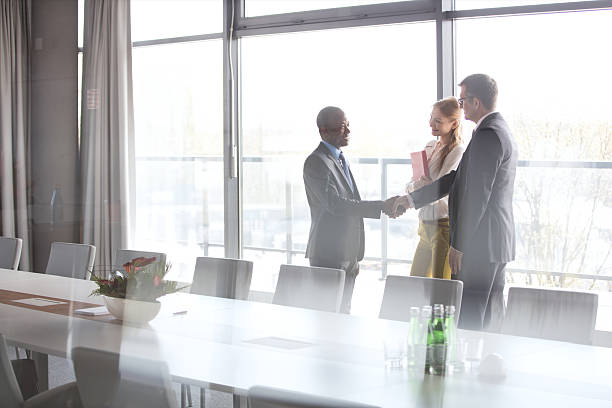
point(15, 44)
point(107, 128)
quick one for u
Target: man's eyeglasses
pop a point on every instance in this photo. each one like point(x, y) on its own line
point(339, 128)
point(461, 100)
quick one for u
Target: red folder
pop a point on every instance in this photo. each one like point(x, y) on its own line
point(419, 164)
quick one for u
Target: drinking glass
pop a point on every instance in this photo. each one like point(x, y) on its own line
point(473, 351)
point(395, 352)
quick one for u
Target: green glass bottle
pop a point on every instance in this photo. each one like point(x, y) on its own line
point(425, 329)
point(437, 342)
point(451, 335)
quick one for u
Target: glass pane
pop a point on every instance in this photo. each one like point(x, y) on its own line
point(552, 87)
point(476, 4)
point(153, 19)
point(179, 136)
point(263, 7)
point(403, 235)
point(370, 73)
point(554, 94)
point(551, 237)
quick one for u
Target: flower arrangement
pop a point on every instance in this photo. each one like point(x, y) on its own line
point(141, 279)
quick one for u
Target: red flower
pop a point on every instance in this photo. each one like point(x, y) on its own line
point(142, 261)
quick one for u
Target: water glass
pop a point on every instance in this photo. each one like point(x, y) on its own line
point(395, 352)
point(473, 351)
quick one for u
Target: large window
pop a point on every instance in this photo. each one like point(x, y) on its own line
point(554, 94)
point(263, 7)
point(479, 4)
point(552, 71)
point(383, 77)
point(153, 19)
point(179, 166)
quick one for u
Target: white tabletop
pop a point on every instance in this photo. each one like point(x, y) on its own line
point(338, 355)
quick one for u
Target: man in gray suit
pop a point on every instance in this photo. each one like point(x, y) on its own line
point(480, 206)
point(336, 237)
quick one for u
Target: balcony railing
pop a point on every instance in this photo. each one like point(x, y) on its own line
point(558, 278)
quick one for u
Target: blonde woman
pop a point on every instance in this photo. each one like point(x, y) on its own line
point(443, 156)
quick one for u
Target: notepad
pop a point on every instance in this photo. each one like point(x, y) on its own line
point(279, 342)
point(93, 311)
point(40, 302)
point(420, 167)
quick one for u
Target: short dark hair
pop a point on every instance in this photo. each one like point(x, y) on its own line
point(326, 115)
point(482, 87)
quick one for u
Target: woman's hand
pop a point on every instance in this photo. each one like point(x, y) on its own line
point(421, 182)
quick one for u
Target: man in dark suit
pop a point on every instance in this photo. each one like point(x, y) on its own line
point(480, 206)
point(336, 237)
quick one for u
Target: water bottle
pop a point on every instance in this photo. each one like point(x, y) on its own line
point(425, 330)
point(437, 342)
point(451, 335)
point(414, 336)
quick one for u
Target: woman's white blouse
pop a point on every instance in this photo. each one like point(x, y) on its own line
point(439, 209)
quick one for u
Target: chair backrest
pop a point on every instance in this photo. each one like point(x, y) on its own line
point(267, 397)
point(551, 314)
point(10, 252)
point(126, 255)
point(403, 292)
point(10, 394)
point(71, 260)
point(222, 277)
point(106, 379)
point(309, 287)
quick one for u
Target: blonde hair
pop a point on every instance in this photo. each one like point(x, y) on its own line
point(450, 109)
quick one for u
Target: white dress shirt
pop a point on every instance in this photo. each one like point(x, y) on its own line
point(438, 209)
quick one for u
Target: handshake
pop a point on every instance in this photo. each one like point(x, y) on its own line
point(396, 206)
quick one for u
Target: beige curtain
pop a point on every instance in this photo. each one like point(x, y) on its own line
point(14, 123)
point(107, 127)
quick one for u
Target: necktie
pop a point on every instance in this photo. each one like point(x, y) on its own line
point(345, 167)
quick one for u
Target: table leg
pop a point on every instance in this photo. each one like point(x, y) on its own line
point(42, 366)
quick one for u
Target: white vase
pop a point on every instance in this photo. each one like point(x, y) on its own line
point(132, 311)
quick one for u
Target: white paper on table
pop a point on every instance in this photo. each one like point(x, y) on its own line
point(93, 311)
point(39, 302)
point(279, 342)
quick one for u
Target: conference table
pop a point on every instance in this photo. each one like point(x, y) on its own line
point(231, 345)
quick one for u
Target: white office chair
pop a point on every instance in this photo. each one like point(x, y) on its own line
point(106, 379)
point(551, 314)
point(124, 256)
point(220, 277)
point(267, 397)
point(10, 252)
point(71, 260)
point(403, 292)
point(309, 287)
point(66, 395)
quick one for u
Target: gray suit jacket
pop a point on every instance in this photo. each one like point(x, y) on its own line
point(480, 193)
point(336, 230)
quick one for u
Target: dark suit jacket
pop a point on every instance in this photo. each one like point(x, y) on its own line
point(480, 193)
point(336, 230)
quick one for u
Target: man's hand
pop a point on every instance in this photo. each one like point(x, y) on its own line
point(388, 206)
point(455, 258)
point(401, 205)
